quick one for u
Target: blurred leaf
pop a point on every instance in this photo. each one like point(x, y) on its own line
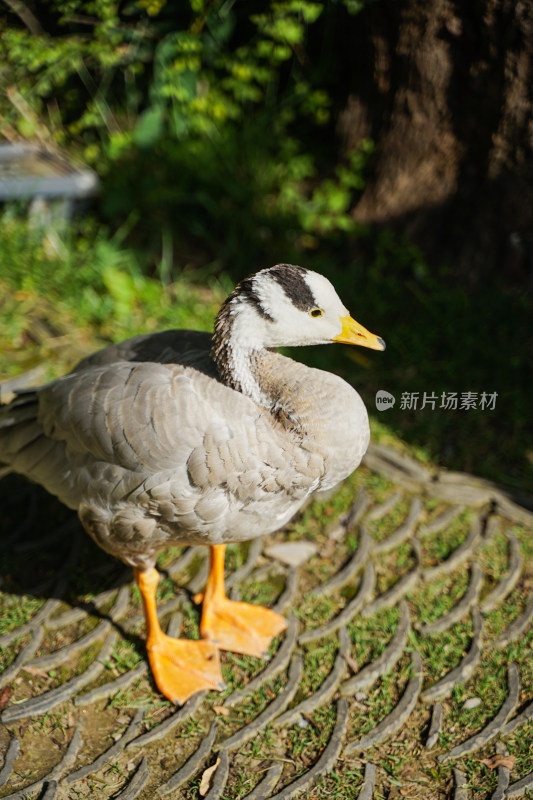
point(121, 287)
point(149, 128)
point(499, 761)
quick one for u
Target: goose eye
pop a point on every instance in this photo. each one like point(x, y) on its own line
point(316, 312)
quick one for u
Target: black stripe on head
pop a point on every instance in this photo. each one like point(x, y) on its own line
point(247, 290)
point(292, 281)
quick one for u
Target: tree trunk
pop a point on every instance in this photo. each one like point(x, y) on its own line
point(445, 89)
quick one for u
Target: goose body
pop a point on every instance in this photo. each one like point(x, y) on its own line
point(183, 438)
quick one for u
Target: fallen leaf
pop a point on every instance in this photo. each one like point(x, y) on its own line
point(221, 710)
point(36, 671)
point(205, 783)
point(5, 694)
point(499, 761)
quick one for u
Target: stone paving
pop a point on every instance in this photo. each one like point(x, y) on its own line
point(58, 670)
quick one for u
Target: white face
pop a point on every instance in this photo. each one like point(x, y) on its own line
point(292, 326)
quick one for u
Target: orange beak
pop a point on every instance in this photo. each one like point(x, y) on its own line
point(353, 333)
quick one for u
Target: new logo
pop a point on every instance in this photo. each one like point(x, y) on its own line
point(384, 400)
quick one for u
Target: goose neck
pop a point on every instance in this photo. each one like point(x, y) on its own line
point(238, 352)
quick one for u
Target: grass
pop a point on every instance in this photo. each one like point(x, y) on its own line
point(393, 566)
point(318, 663)
point(371, 635)
point(17, 611)
point(94, 291)
point(262, 592)
point(8, 654)
point(382, 528)
point(125, 656)
point(441, 595)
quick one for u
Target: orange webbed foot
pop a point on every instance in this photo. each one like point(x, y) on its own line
point(240, 627)
point(182, 667)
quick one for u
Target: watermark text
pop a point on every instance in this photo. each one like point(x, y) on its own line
point(447, 401)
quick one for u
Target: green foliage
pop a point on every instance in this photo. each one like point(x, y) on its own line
point(199, 117)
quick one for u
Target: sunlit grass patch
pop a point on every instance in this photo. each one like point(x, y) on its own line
point(512, 607)
point(317, 519)
point(251, 706)
point(192, 568)
point(307, 739)
point(74, 666)
point(316, 611)
point(493, 558)
point(335, 554)
point(17, 610)
point(433, 507)
point(525, 538)
point(439, 546)
point(238, 670)
point(125, 656)
point(9, 653)
point(378, 486)
point(442, 652)
point(236, 556)
point(519, 745)
point(342, 783)
point(168, 556)
point(318, 663)
point(433, 600)
point(489, 682)
point(380, 700)
point(380, 529)
point(142, 693)
point(370, 635)
point(263, 591)
point(393, 565)
point(70, 634)
point(191, 621)
point(95, 290)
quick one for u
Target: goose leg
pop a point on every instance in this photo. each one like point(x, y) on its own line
point(239, 627)
point(180, 667)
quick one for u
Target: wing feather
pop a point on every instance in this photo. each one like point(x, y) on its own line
point(167, 437)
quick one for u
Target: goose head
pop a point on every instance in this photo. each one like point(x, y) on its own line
point(288, 306)
point(282, 306)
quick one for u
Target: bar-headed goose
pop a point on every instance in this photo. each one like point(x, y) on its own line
point(185, 438)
